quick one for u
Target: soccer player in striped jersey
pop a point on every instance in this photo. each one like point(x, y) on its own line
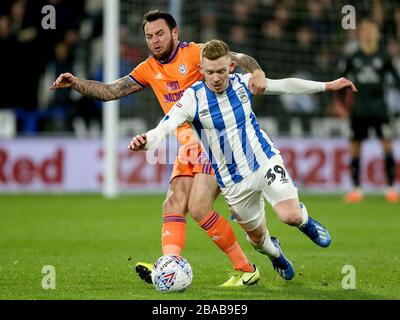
point(171, 68)
point(247, 165)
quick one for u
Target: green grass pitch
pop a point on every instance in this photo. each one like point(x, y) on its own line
point(88, 240)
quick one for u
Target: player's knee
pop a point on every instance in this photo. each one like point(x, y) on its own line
point(293, 217)
point(198, 211)
point(257, 235)
point(290, 215)
point(256, 238)
point(289, 212)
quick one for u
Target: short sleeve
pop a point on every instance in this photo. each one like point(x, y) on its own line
point(139, 75)
point(195, 52)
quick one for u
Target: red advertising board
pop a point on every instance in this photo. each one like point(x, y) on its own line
point(76, 165)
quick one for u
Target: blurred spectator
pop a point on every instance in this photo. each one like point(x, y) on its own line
point(208, 22)
point(239, 28)
point(392, 92)
point(8, 49)
point(274, 50)
point(378, 13)
point(304, 50)
point(286, 37)
point(319, 21)
point(240, 40)
point(26, 46)
point(393, 25)
point(26, 49)
point(61, 102)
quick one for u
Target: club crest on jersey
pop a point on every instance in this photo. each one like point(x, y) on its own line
point(182, 69)
point(242, 94)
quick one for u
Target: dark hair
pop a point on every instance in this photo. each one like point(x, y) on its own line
point(214, 49)
point(154, 15)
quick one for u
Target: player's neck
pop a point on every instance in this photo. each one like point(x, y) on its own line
point(172, 53)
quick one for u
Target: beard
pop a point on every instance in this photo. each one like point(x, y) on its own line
point(167, 53)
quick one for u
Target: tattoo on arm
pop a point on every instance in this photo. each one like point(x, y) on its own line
point(244, 61)
point(105, 92)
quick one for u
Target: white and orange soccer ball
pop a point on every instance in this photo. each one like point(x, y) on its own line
point(171, 273)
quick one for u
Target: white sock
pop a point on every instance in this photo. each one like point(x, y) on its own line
point(266, 247)
point(304, 213)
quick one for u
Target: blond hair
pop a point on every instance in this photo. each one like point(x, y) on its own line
point(214, 49)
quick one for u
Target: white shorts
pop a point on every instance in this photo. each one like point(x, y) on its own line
point(246, 198)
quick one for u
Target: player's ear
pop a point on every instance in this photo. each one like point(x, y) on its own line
point(175, 34)
point(200, 68)
point(232, 66)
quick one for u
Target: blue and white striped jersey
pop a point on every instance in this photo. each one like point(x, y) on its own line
point(226, 126)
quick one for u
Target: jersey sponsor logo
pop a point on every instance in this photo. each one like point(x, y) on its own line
point(242, 94)
point(173, 97)
point(204, 113)
point(173, 86)
point(182, 69)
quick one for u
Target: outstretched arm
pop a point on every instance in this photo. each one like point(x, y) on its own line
point(95, 89)
point(300, 86)
point(339, 84)
point(183, 111)
point(257, 82)
point(152, 138)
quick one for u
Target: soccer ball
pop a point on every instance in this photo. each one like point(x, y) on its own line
point(171, 273)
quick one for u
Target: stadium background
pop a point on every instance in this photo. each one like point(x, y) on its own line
point(51, 144)
point(288, 38)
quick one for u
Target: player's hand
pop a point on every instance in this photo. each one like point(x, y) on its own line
point(138, 143)
point(340, 84)
point(65, 80)
point(257, 82)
